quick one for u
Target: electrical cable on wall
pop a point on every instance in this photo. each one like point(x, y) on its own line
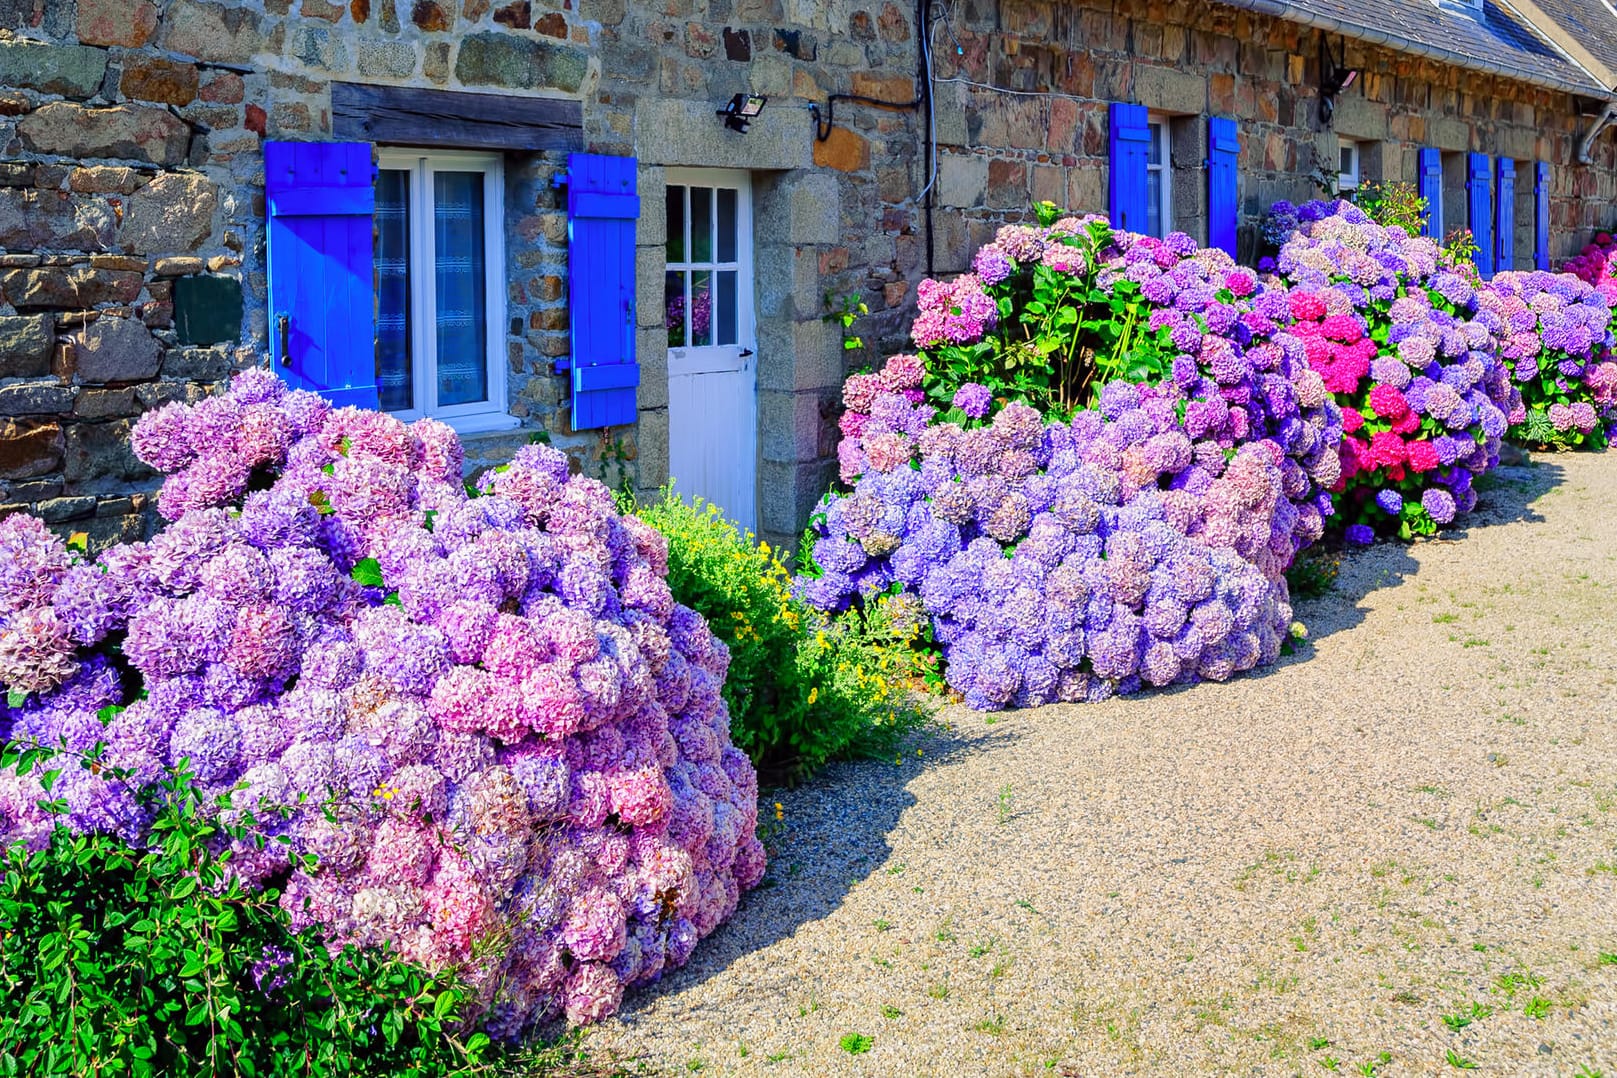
point(825, 120)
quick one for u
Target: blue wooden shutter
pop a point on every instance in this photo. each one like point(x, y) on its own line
point(1479, 197)
point(1130, 137)
point(1505, 217)
point(1431, 189)
point(602, 207)
point(1223, 181)
point(1541, 214)
point(319, 197)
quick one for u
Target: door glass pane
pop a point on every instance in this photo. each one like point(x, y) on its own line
point(728, 224)
point(1156, 144)
point(393, 373)
point(726, 308)
point(462, 326)
point(674, 305)
point(701, 224)
point(676, 223)
point(701, 308)
point(1153, 202)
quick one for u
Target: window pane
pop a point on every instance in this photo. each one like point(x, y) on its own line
point(701, 308)
point(394, 382)
point(728, 224)
point(727, 307)
point(676, 223)
point(1347, 160)
point(1153, 202)
point(701, 224)
point(462, 327)
point(674, 305)
point(1156, 144)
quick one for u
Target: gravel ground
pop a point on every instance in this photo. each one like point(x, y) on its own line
point(1414, 819)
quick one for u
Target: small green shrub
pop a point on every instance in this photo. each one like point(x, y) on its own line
point(802, 688)
point(153, 960)
point(1393, 204)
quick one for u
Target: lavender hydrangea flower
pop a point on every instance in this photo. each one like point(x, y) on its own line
point(521, 667)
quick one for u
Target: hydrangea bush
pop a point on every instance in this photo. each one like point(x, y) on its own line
point(1401, 344)
point(1084, 551)
point(1556, 339)
point(1052, 314)
point(1597, 264)
point(475, 722)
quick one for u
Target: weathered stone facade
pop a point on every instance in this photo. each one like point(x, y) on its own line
point(1185, 59)
point(132, 189)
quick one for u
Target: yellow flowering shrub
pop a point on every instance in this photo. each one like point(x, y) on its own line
point(802, 688)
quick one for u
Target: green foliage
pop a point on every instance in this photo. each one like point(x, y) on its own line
point(1313, 573)
point(149, 960)
point(801, 689)
point(1060, 336)
point(1459, 253)
point(847, 310)
point(856, 1043)
point(1391, 205)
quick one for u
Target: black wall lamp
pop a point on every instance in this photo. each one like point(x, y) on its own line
point(1334, 77)
point(742, 110)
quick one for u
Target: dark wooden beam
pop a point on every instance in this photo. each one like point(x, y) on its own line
point(412, 116)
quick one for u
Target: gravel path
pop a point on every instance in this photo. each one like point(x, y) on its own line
point(1415, 818)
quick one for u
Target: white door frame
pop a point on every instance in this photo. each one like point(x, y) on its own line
point(739, 359)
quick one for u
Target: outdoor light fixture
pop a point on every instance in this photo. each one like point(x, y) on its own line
point(742, 110)
point(1334, 77)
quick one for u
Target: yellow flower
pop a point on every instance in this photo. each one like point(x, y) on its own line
point(814, 694)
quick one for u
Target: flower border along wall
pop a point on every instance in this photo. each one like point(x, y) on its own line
point(1095, 473)
point(472, 725)
point(1402, 344)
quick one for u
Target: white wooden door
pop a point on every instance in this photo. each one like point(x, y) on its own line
point(712, 368)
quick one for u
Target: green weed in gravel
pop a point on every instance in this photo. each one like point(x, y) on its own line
point(856, 1044)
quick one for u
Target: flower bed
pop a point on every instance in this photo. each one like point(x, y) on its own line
point(486, 732)
point(1556, 339)
point(1399, 341)
point(1137, 532)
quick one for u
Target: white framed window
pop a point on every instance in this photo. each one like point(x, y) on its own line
point(440, 287)
point(1158, 179)
point(1347, 175)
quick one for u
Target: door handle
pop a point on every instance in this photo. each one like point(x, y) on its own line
point(745, 352)
point(284, 325)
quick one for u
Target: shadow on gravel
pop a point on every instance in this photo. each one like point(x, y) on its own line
point(834, 835)
point(1504, 496)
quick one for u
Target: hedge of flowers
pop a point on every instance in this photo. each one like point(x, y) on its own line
point(474, 725)
point(1136, 534)
point(1556, 339)
point(1398, 336)
point(1108, 449)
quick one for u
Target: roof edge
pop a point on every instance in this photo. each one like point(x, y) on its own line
point(1282, 9)
point(1553, 32)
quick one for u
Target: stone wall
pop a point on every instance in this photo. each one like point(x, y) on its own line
point(121, 248)
point(1000, 151)
point(131, 182)
point(137, 126)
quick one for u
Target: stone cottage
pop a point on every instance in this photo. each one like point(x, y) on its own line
point(624, 225)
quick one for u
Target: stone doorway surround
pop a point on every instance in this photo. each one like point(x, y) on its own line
point(796, 212)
